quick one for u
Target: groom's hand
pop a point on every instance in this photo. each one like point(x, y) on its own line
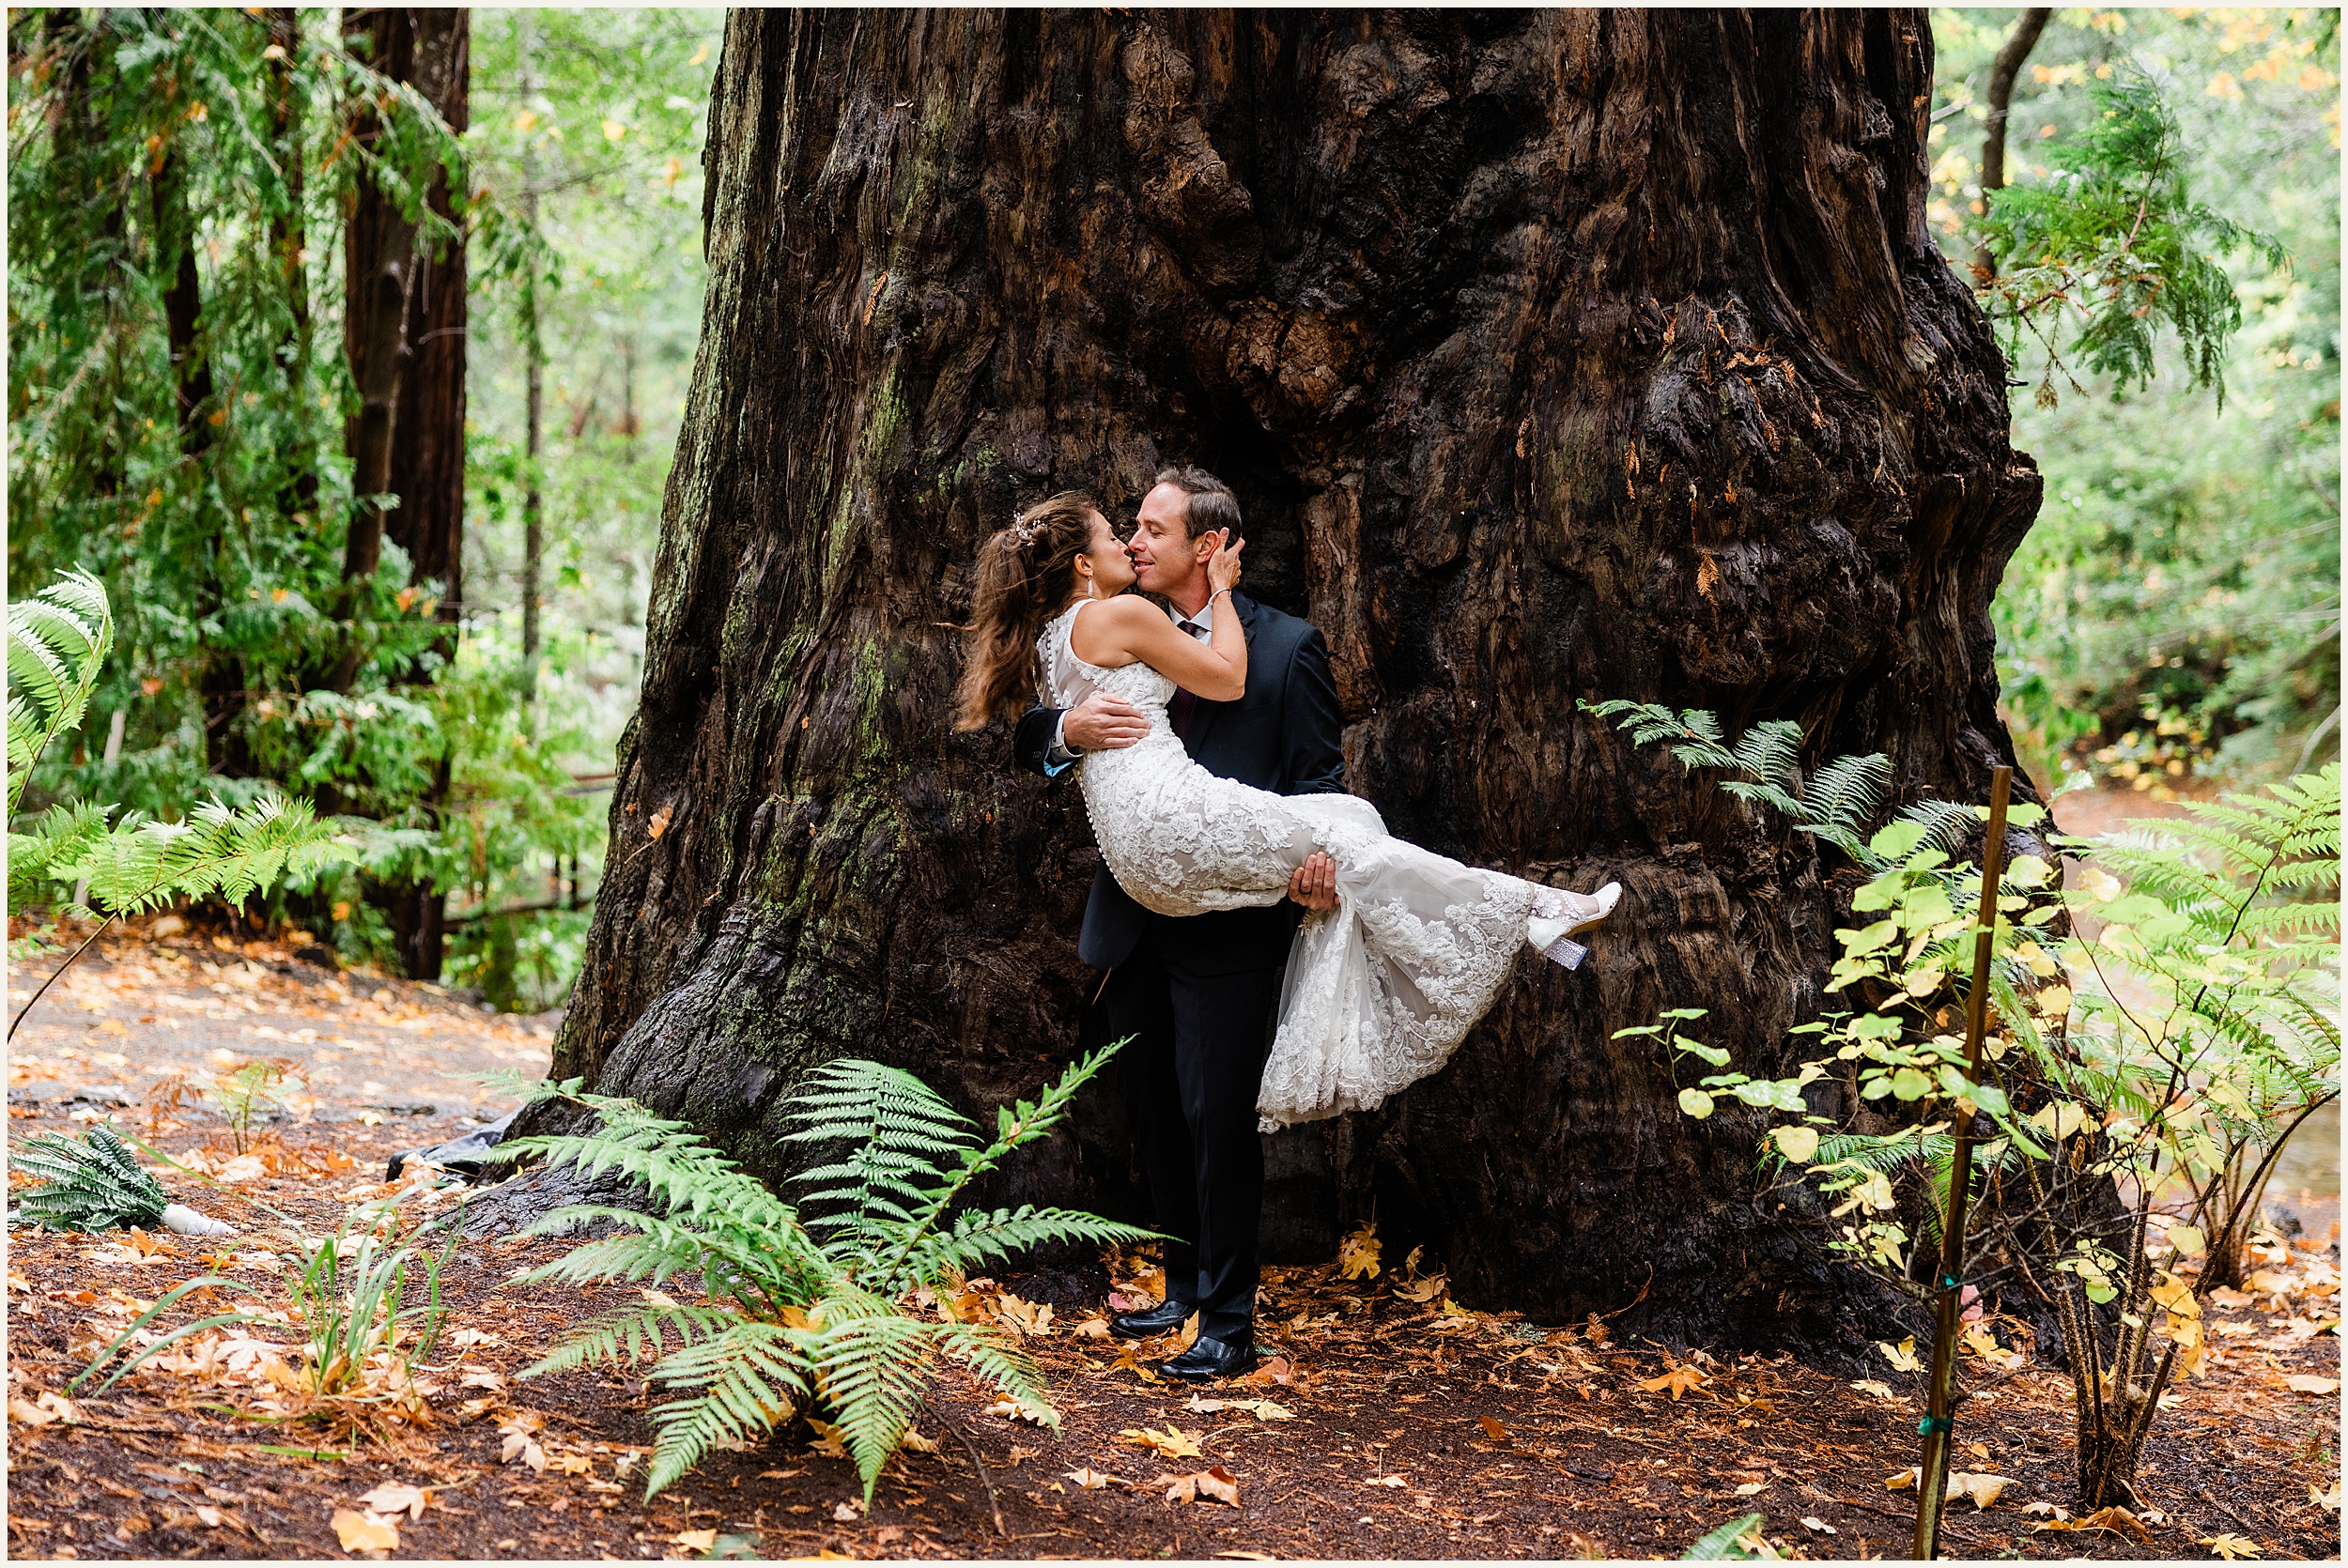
point(1103, 722)
point(1315, 884)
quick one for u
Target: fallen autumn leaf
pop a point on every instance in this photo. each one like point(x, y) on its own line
point(365, 1533)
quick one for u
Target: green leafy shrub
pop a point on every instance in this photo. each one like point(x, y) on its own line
point(2179, 593)
point(805, 1309)
point(2106, 251)
point(90, 1184)
point(2159, 1032)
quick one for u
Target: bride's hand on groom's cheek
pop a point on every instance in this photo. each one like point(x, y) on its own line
point(1103, 723)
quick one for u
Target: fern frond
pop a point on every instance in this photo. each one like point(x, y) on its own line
point(1946, 822)
point(1016, 1127)
point(1846, 793)
point(979, 1239)
point(61, 838)
point(1695, 735)
point(632, 1335)
point(90, 1185)
point(816, 1301)
point(676, 1163)
point(872, 1365)
point(58, 643)
point(749, 1380)
point(1768, 794)
point(993, 1356)
point(1766, 752)
point(219, 853)
point(1881, 1153)
point(898, 1124)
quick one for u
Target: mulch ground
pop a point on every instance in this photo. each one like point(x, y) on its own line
point(1399, 1424)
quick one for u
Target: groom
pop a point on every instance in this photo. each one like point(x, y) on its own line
point(1197, 993)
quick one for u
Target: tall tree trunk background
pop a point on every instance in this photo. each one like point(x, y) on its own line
point(2003, 71)
point(1553, 355)
point(404, 330)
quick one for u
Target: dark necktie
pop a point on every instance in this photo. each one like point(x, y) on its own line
point(1183, 704)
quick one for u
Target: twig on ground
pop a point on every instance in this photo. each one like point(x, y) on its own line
point(2227, 1509)
point(986, 1480)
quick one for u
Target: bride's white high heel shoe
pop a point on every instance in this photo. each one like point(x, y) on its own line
point(1565, 912)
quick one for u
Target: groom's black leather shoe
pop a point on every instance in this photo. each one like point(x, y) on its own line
point(1166, 1317)
point(1210, 1359)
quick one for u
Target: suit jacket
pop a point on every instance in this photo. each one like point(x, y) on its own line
point(1281, 735)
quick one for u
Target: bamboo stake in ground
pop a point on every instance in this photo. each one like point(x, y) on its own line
point(1938, 1425)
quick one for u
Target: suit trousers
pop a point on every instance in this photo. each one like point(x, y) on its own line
point(1190, 1078)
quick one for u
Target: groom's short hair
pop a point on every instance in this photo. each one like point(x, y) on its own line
point(1208, 503)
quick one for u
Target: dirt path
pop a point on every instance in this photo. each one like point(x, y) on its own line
point(139, 1017)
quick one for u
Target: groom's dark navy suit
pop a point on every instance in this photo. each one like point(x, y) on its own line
point(1197, 993)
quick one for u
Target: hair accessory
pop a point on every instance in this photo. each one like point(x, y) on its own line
point(1023, 532)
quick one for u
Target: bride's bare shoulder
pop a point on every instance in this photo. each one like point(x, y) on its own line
point(1108, 628)
point(1127, 610)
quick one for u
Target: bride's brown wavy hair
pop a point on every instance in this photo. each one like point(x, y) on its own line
point(1025, 574)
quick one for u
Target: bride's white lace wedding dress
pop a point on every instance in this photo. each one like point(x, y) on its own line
point(1380, 989)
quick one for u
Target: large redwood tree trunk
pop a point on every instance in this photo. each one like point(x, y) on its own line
point(1553, 355)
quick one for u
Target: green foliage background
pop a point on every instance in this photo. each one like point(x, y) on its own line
point(2178, 601)
point(222, 553)
point(2186, 567)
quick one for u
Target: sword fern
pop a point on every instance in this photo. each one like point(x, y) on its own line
point(805, 1301)
point(93, 1185)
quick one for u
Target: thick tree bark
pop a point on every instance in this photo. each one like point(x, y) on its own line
point(1553, 355)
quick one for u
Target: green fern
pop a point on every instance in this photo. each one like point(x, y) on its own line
point(90, 1185)
point(61, 838)
point(2235, 913)
point(221, 851)
point(804, 1308)
point(1835, 804)
point(58, 642)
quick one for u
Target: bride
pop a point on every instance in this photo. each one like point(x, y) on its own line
point(1380, 990)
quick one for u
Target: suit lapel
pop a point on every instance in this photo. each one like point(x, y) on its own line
point(1202, 718)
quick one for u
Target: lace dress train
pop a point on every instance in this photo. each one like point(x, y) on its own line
point(1380, 989)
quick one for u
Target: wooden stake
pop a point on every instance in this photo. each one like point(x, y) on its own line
point(1938, 1425)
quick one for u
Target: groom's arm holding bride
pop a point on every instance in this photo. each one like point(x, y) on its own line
point(1048, 741)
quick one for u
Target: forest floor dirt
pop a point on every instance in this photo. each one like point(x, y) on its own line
point(1398, 1423)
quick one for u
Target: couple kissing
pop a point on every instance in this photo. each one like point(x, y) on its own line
point(1239, 883)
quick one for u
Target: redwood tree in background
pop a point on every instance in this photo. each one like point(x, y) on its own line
point(404, 330)
point(1555, 355)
